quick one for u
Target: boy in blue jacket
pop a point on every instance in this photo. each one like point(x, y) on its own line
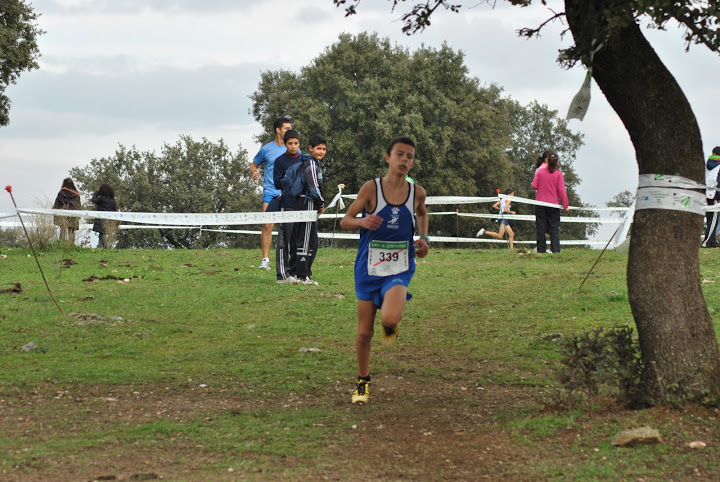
point(285, 260)
point(306, 234)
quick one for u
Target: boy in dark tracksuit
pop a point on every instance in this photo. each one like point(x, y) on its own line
point(305, 234)
point(712, 178)
point(284, 254)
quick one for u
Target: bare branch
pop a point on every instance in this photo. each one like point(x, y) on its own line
point(535, 32)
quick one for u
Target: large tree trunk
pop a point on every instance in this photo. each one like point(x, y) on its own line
point(677, 340)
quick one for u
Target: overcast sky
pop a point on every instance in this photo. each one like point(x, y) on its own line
point(143, 72)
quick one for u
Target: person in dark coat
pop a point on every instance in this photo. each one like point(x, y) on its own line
point(67, 198)
point(104, 198)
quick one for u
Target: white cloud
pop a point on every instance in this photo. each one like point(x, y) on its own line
point(142, 72)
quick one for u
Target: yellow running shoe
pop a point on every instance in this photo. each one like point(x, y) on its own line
point(362, 392)
point(389, 335)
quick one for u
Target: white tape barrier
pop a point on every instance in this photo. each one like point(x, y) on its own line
point(516, 217)
point(274, 233)
point(431, 200)
point(435, 200)
point(531, 217)
point(224, 219)
point(185, 219)
point(439, 239)
point(32, 224)
point(524, 200)
point(433, 239)
point(197, 220)
point(229, 219)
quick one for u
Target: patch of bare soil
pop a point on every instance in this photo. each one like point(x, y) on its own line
point(93, 279)
point(436, 430)
point(67, 262)
point(46, 414)
point(445, 427)
point(16, 288)
point(404, 433)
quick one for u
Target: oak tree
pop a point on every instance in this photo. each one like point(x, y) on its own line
point(186, 177)
point(362, 91)
point(677, 340)
point(18, 47)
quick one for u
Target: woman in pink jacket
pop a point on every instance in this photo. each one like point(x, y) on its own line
point(549, 185)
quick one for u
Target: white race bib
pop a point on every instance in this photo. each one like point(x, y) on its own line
point(386, 258)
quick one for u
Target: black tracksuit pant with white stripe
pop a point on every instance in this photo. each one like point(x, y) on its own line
point(284, 253)
point(305, 244)
point(711, 224)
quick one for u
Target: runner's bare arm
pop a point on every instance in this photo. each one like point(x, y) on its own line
point(364, 200)
point(421, 219)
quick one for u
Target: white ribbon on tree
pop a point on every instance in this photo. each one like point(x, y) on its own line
point(674, 193)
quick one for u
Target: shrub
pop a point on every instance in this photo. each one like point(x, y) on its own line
point(602, 360)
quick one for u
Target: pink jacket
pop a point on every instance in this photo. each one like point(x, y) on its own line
point(550, 187)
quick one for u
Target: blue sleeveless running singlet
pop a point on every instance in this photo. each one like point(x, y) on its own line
point(388, 251)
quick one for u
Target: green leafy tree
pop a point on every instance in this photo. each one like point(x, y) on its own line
point(187, 177)
point(536, 127)
point(362, 91)
point(679, 348)
point(18, 47)
point(623, 199)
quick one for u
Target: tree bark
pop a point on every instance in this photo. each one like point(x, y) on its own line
point(679, 349)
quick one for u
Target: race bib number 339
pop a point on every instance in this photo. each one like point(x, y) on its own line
point(386, 258)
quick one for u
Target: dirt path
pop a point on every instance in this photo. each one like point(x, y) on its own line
point(436, 431)
point(444, 427)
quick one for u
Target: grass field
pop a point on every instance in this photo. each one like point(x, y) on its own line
point(196, 365)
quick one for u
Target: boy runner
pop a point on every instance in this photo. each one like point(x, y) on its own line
point(391, 208)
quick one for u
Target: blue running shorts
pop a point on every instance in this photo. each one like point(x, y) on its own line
point(377, 296)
